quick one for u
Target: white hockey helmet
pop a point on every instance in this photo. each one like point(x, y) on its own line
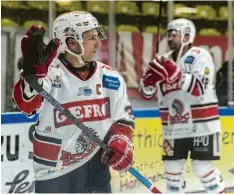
point(74, 24)
point(184, 26)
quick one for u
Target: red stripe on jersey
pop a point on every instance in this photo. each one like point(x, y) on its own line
point(26, 106)
point(197, 89)
point(45, 150)
point(204, 112)
point(197, 113)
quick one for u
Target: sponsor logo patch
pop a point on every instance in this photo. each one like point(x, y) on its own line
point(85, 91)
point(189, 59)
point(85, 111)
point(110, 82)
point(167, 88)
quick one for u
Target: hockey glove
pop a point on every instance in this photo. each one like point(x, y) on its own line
point(36, 55)
point(122, 146)
point(148, 82)
point(169, 71)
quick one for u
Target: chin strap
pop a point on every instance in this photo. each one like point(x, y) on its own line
point(78, 56)
point(181, 52)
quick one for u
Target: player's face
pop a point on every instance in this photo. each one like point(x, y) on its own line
point(91, 44)
point(174, 39)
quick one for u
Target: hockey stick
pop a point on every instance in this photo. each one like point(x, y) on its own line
point(32, 81)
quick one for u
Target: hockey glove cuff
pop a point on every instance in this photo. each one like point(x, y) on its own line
point(122, 146)
point(148, 82)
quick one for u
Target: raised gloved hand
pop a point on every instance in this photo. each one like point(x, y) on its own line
point(148, 83)
point(36, 55)
point(167, 68)
point(122, 147)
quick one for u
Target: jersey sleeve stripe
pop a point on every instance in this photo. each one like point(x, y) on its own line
point(46, 148)
point(195, 87)
point(26, 106)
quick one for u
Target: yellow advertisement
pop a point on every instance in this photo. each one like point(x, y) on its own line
point(147, 150)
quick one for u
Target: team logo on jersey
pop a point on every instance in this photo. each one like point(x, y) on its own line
point(85, 111)
point(177, 114)
point(85, 91)
point(84, 147)
point(56, 83)
point(177, 107)
point(110, 82)
point(189, 59)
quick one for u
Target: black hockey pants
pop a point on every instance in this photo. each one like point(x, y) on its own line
point(92, 177)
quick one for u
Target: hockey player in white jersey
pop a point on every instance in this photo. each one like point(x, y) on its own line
point(65, 160)
point(182, 81)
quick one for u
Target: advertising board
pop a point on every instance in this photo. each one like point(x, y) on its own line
point(16, 156)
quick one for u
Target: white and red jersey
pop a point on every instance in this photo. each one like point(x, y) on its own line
point(190, 108)
point(59, 146)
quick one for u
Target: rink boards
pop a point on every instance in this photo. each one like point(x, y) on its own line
point(16, 155)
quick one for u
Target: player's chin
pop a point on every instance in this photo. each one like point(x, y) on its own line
point(93, 55)
point(172, 47)
point(90, 58)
